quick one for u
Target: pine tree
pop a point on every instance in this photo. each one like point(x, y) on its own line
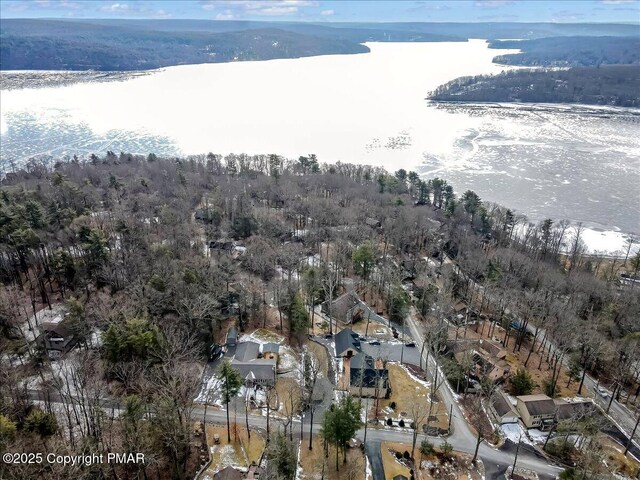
point(231, 383)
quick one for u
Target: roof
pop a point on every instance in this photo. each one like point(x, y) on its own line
point(247, 351)
point(346, 339)
point(340, 306)
point(232, 333)
point(501, 404)
point(369, 377)
point(361, 360)
point(566, 410)
point(270, 348)
point(228, 473)
point(256, 370)
point(538, 404)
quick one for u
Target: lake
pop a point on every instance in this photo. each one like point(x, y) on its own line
point(561, 161)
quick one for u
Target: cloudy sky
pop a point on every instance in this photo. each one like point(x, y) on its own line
point(334, 11)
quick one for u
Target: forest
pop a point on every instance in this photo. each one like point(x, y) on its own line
point(115, 240)
point(571, 51)
point(59, 45)
point(615, 85)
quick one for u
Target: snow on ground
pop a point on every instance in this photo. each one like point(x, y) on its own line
point(262, 336)
point(226, 457)
point(210, 392)
point(538, 436)
point(515, 433)
point(287, 359)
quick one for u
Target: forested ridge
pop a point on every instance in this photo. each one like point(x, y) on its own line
point(114, 240)
point(571, 51)
point(616, 85)
point(91, 47)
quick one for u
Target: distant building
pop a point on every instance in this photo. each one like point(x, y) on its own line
point(365, 379)
point(373, 222)
point(536, 411)
point(347, 343)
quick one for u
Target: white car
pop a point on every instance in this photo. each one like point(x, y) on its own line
point(603, 391)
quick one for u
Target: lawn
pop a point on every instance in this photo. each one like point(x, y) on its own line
point(240, 453)
point(321, 354)
point(287, 394)
point(313, 462)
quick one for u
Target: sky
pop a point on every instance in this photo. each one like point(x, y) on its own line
point(619, 11)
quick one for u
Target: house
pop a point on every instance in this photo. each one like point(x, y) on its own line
point(536, 411)
point(347, 343)
point(372, 222)
point(228, 473)
point(232, 337)
point(366, 379)
point(253, 369)
point(225, 244)
point(342, 308)
point(58, 339)
point(255, 472)
point(502, 409)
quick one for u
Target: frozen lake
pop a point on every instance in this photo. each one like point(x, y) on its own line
point(582, 164)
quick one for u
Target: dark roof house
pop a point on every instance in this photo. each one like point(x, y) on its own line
point(58, 339)
point(347, 343)
point(365, 379)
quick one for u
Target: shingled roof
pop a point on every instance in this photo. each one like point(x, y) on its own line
point(538, 404)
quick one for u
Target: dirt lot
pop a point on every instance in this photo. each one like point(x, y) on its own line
point(314, 462)
point(615, 459)
point(434, 467)
point(240, 453)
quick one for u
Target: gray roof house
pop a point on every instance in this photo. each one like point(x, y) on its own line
point(58, 339)
point(254, 370)
point(347, 343)
point(247, 351)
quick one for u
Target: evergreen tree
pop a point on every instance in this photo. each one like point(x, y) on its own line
point(231, 383)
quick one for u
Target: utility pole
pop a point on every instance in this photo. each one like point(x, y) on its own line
point(626, 449)
point(513, 468)
point(450, 418)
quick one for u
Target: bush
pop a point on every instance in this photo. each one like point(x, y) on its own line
point(406, 455)
point(392, 405)
point(401, 423)
point(398, 455)
point(389, 422)
point(426, 448)
point(522, 383)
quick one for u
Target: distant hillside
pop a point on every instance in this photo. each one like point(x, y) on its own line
point(571, 51)
point(60, 45)
point(606, 85)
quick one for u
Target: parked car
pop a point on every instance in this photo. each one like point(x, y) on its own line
point(328, 335)
point(410, 344)
point(374, 342)
point(362, 338)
